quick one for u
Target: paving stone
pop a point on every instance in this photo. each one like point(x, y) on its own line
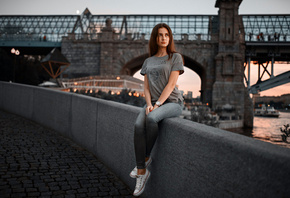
point(81, 195)
point(70, 196)
point(104, 189)
point(38, 162)
point(65, 188)
point(102, 194)
point(33, 194)
point(31, 189)
point(71, 192)
point(18, 190)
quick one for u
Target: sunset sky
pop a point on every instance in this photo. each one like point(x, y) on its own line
point(189, 81)
point(44, 7)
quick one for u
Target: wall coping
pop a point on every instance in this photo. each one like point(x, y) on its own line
point(194, 159)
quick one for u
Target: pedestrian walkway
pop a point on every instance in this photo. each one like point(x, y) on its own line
point(38, 162)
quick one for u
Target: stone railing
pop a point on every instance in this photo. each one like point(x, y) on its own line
point(189, 159)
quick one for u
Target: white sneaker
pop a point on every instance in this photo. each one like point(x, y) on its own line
point(140, 183)
point(133, 173)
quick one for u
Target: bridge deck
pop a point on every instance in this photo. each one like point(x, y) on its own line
point(53, 27)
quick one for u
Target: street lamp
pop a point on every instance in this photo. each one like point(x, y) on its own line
point(16, 52)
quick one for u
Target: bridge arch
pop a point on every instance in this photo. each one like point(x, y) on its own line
point(135, 64)
point(199, 69)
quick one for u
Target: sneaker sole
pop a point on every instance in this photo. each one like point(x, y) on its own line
point(141, 191)
point(134, 176)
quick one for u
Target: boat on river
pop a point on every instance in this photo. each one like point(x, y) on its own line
point(267, 111)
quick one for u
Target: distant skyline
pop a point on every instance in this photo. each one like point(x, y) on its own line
point(189, 81)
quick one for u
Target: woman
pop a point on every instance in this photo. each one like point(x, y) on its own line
point(163, 100)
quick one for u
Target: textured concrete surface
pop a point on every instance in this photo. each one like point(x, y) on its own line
point(57, 109)
point(189, 159)
point(20, 103)
point(38, 162)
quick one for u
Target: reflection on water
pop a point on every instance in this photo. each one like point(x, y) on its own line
point(267, 129)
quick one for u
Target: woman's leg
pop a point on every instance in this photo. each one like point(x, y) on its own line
point(140, 139)
point(167, 110)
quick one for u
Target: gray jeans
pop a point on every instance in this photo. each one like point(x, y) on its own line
point(146, 129)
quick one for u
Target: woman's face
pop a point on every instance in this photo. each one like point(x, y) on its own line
point(162, 38)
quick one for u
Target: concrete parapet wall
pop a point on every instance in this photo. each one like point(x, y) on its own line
point(189, 159)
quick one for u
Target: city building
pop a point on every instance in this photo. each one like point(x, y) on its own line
point(284, 100)
point(112, 83)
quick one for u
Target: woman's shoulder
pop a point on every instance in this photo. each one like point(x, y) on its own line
point(177, 56)
point(148, 59)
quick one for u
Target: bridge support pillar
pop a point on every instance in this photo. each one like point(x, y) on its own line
point(249, 72)
point(229, 93)
point(272, 67)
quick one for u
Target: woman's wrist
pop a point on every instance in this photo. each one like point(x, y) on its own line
point(158, 103)
point(155, 106)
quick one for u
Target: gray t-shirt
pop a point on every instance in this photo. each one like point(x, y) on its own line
point(158, 70)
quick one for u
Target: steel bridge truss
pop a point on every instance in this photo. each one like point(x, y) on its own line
point(35, 28)
point(271, 82)
point(267, 27)
point(52, 28)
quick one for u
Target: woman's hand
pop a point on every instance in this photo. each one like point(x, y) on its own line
point(155, 107)
point(149, 109)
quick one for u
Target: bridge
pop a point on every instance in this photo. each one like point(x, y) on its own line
point(218, 48)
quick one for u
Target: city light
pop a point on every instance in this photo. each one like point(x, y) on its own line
point(16, 52)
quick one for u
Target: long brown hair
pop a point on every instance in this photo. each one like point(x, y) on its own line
point(153, 47)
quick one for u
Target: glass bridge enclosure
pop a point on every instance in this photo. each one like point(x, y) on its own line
point(52, 28)
point(271, 28)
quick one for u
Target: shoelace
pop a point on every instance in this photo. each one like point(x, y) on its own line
point(139, 181)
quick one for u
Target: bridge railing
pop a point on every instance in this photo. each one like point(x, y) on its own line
point(54, 27)
point(104, 85)
point(193, 27)
point(269, 28)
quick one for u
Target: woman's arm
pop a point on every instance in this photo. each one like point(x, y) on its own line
point(147, 95)
point(168, 88)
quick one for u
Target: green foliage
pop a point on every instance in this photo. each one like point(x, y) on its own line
point(286, 130)
point(202, 114)
point(125, 96)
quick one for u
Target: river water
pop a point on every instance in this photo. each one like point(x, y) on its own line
point(268, 129)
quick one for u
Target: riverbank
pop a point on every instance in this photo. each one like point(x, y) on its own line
point(267, 129)
point(284, 110)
